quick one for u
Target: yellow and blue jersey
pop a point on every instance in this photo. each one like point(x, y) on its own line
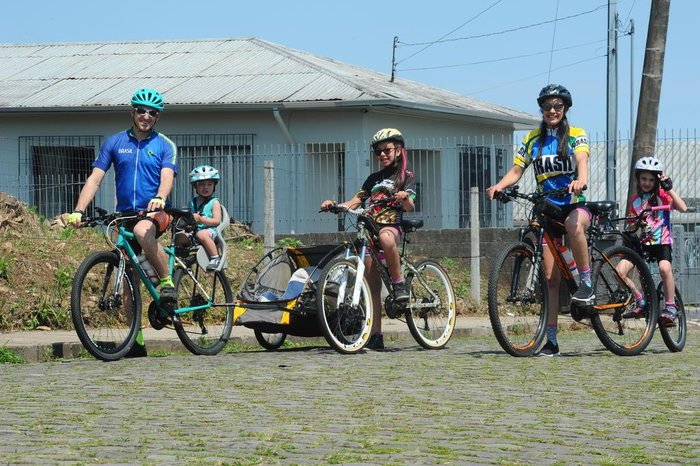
point(551, 170)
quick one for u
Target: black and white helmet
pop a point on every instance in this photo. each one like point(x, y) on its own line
point(649, 164)
point(555, 90)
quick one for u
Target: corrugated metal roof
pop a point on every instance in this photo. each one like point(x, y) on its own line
point(213, 71)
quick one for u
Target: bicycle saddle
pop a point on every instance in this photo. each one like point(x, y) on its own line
point(411, 225)
point(601, 207)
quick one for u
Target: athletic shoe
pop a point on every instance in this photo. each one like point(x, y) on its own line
point(401, 294)
point(549, 349)
point(668, 317)
point(637, 313)
point(168, 295)
point(213, 264)
point(584, 294)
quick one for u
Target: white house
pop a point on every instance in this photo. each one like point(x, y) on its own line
point(235, 103)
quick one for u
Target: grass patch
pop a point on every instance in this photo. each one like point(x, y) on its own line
point(10, 357)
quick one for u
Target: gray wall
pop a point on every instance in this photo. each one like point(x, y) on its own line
point(435, 244)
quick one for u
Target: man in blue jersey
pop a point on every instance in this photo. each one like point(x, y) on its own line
point(145, 166)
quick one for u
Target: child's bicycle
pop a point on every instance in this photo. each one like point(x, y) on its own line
point(674, 336)
point(106, 299)
point(518, 300)
point(430, 311)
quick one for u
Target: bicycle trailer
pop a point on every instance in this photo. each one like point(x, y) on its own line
point(279, 294)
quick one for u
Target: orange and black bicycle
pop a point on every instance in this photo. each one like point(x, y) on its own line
point(518, 301)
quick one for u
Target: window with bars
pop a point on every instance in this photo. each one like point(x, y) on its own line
point(54, 169)
point(232, 155)
point(479, 166)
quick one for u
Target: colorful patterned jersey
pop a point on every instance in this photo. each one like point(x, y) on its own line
point(657, 225)
point(382, 184)
point(551, 170)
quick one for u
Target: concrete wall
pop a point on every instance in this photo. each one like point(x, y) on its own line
point(435, 244)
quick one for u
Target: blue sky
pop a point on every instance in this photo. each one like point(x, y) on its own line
point(361, 32)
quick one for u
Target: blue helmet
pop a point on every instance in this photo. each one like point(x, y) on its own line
point(148, 98)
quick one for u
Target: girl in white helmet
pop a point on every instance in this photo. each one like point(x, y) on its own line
point(654, 189)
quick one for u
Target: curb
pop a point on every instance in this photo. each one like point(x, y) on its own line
point(44, 352)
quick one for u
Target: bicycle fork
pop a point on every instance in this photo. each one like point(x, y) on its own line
point(359, 274)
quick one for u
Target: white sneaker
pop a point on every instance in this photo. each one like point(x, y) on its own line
point(214, 264)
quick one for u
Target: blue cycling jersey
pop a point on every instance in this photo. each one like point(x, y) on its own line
point(137, 166)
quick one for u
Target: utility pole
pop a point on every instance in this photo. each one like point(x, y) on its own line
point(611, 120)
point(393, 59)
point(650, 89)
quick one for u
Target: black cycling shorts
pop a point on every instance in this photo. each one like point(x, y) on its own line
point(658, 252)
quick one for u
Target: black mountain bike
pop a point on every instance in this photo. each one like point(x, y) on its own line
point(518, 300)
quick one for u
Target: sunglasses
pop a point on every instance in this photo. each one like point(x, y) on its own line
point(386, 150)
point(143, 111)
point(549, 107)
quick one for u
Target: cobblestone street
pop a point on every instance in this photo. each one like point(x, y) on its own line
point(470, 403)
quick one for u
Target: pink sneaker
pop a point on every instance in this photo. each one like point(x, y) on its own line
point(668, 317)
point(636, 313)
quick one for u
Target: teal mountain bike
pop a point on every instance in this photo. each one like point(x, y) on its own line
point(106, 303)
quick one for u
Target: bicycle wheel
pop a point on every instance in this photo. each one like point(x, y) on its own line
point(615, 296)
point(105, 308)
point(203, 331)
point(345, 327)
point(431, 309)
point(518, 300)
point(675, 336)
point(270, 341)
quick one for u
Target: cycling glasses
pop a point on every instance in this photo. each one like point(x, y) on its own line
point(547, 107)
point(143, 111)
point(386, 150)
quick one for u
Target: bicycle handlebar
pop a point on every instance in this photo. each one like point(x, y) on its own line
point(104, 218)
point(339, 208)
point(511, 192)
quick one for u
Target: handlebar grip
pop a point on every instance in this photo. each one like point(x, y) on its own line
point(660, 207)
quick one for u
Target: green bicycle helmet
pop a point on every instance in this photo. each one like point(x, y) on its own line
point(148, 98)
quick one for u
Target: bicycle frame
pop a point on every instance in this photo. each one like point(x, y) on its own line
point(366, 233)
point(123, 244)
point(540, 226)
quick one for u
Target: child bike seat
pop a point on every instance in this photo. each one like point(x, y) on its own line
point(203, 257)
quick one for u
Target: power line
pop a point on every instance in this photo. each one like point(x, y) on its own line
point(554, 34)
point(505, 31)
point(535, 75)
point(430, 44)
point(495, 60)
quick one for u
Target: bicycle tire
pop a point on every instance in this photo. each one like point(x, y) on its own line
point(204, 331)
point(674, 337)
point(518, 316)
point(345, 327)
point(614, 297)
point(431, 326)
point(270, 341)
point(106, 323)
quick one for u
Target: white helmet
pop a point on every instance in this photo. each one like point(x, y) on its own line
point(204, 172)
point(649, 164)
